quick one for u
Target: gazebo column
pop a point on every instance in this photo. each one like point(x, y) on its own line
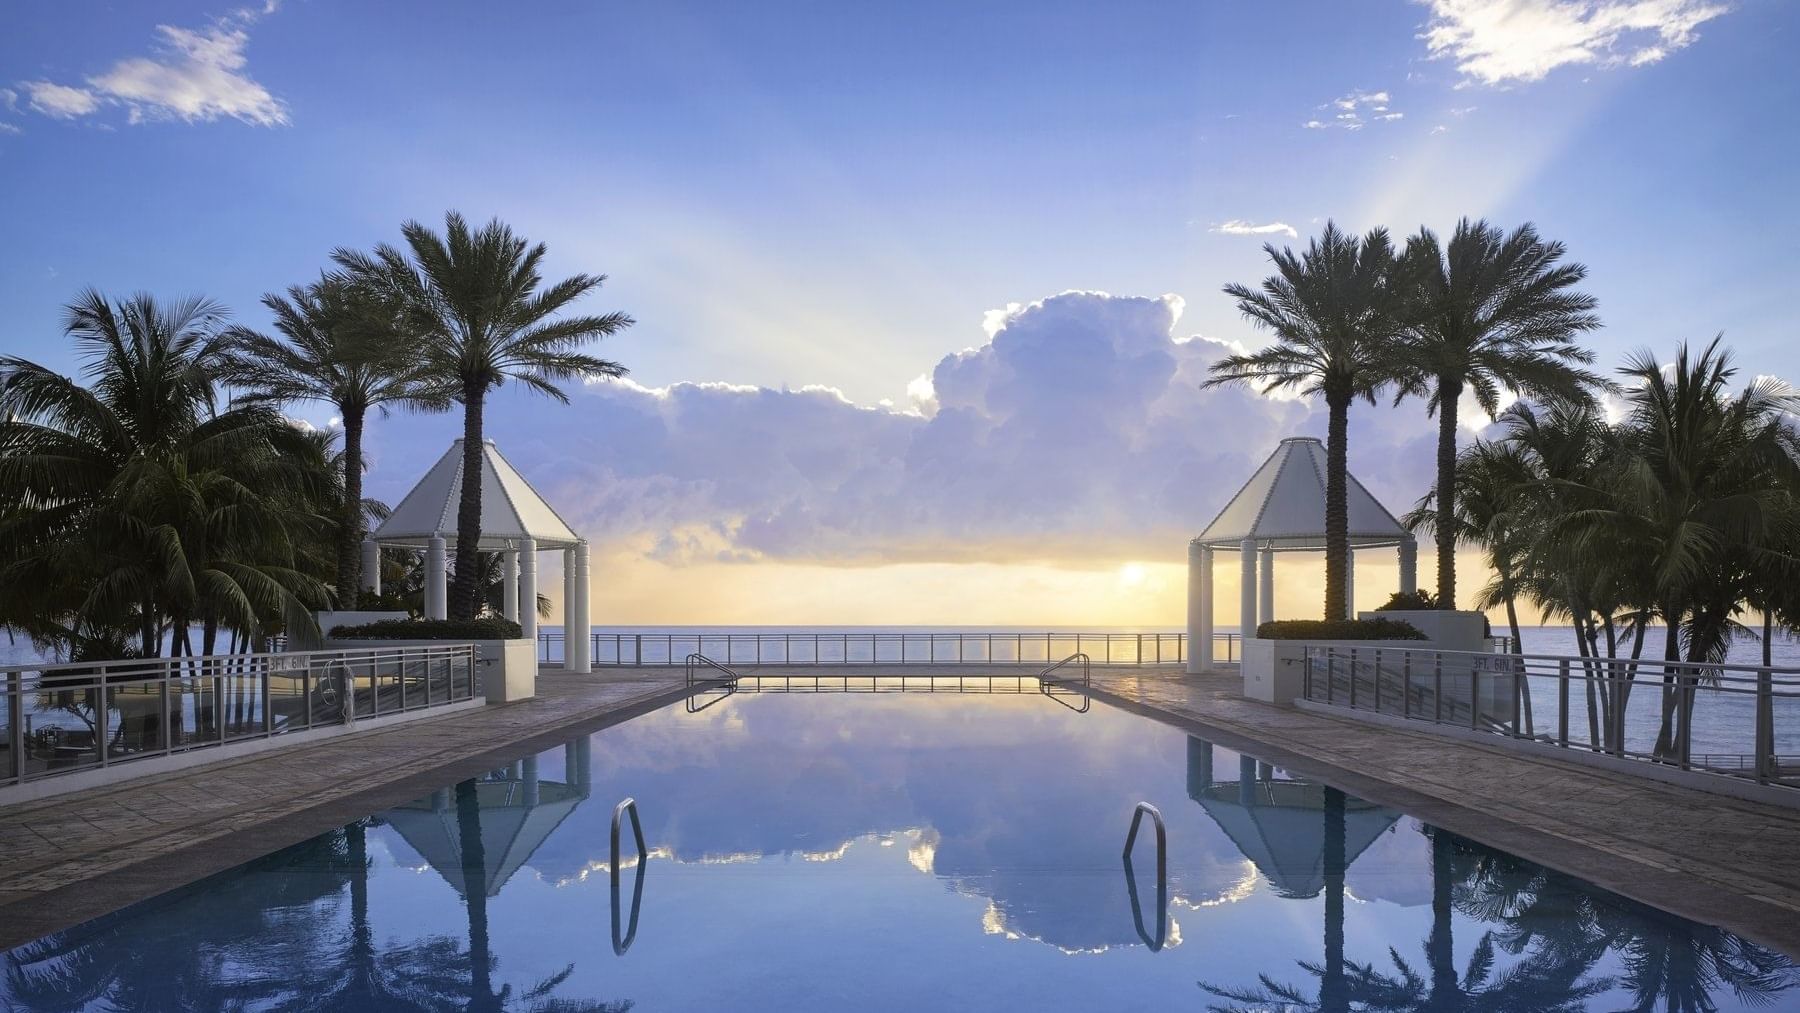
point(509, 584)
point(580, 633)
point(1266, 609)
point(1247, 589)
point(1409, 565)
point(528, 589)
point(1199, 608)
point(568, 603)
point(437, 588)
point(371, 566)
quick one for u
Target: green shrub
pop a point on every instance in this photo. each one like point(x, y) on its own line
point(1343, 629)
point(1416, 601)
point(485, 628)
point(369, 601)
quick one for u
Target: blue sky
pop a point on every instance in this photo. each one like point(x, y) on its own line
point(788, 194)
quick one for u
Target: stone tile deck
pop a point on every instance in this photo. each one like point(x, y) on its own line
point(1709, 857)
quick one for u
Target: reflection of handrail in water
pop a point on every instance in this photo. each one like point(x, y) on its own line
point(1162, 878)
point(1046, 681)
point(623, 943)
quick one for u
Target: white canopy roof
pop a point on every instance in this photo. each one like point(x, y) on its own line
point(510, 508)
point(1283, 506)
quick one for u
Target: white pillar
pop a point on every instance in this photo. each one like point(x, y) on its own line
point(568, 611)
point(1207, 609)
point(437, 589)
point(1247, 589)
point(1409, 565)
point(584, 623)
point(1350, 584)
point(528, 589)
point(1266, 609)
point(371, 566)
point(509, 584)
point(1196, 608)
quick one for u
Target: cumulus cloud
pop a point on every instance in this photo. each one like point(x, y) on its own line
point(1077, 434)
point(1497, 42)
point(195, 75)
point(1355, 111)
point(58, 100)
point(1239, 227)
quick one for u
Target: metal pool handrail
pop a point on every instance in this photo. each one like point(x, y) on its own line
point(1155, 942)
point(1047, 678)
point(623, 943)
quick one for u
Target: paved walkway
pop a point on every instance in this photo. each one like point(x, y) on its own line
point(1709, 857)
point(1712, 858)
point(73, 857)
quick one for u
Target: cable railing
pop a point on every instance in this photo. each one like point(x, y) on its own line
point(61, 718)
point(1742, 721)
point(823, 647)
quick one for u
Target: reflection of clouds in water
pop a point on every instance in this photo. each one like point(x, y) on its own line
point(1005, 798)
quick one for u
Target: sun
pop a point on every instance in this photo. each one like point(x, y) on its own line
point(1132, 575)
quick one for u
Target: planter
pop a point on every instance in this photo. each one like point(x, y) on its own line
point(1275, 670)
point(1444, 630)
point(507, 668)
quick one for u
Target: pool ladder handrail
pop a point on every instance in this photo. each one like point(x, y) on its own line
point(623, 943)
point(1162, 877)
point(730, 678)
point(1046, 679)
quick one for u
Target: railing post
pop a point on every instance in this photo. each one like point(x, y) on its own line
point(1562, 703)
point(1352, 678)
point(1437, 687)
point(1330, 675)
point(1688, 678)
point(1406, 684)
point(1378, 680)
point(1518, 698)
point(1474, 693)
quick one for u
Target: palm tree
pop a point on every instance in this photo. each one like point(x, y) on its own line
point(1703, 490)
point(1336, 313)
point(1492, 311)
point(1489, 480)
point(477, 302)
point(148, 507)
point(343, 344)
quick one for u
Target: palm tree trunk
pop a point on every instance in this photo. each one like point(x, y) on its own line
point(474, 863)
point(1449, 390)
point(1337, 519)
point(1665, 734)
point(1333, 993)
point(1440, 951)
point(350, 534)
point(468, 509)
point(1768, 633)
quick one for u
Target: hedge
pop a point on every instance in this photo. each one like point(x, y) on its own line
point(1416, 601)
point(1341, 629)
point(486, 628)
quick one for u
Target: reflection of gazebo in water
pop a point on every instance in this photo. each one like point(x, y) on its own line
point(518, 812)
point(1280, 825)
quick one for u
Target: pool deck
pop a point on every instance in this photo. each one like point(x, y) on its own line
point(1713, 858)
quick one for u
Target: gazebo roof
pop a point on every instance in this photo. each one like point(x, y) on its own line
point(510, 508)
point(1282, 507)
point(1282, 831)
point(510, 831)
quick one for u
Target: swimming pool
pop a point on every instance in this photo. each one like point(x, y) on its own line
point(890, 851)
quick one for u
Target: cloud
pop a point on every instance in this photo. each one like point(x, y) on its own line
point(1238, 227)
point(1077, 435)
point(195, 75)
point(1348, 111)
point(60, 101)
point(8, 128)
point(1498, 42)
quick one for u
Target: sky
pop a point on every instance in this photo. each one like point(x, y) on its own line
point(923, 292)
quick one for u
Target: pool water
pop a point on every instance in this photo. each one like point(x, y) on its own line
point(891, 852)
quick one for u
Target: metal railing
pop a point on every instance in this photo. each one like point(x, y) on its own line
point(809, 647)
point(62, 718)
point(1048, 681)
point(1153, 940)
point(1737, 720)
point(622, 941)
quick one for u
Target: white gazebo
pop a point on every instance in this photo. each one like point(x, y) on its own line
point(1282, 509)
point(515, 522)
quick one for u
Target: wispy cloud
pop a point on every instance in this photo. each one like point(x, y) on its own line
point(1498, 42)
point(1355, 111)
point(1239, 227)
point(195, 75)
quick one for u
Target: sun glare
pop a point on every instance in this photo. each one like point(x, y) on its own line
point(1132, 575)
